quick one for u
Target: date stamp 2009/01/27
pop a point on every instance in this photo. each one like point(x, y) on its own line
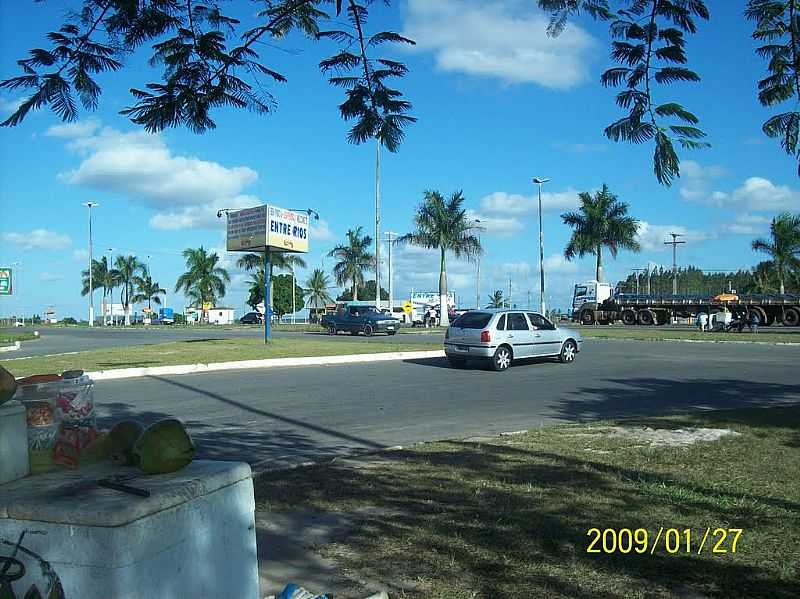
point(718, 541)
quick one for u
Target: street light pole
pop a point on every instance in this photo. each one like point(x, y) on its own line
point(540, 181)
point(478, 273)
point(111, 293)
point(91, 205)
point(390, 237)
point(18, 266)
point(674, 243)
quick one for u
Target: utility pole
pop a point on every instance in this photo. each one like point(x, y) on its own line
point(390, 237)
point(111, 299)
point(674, 243)
point(637, 271)
point(91, 205)
point(529, 299)
point(540, 181)
point(18, 285)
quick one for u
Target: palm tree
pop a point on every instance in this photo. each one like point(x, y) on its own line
point(443, 224)
point(256, 289)
point(147, 290)
point(280, 260)
point(762, 279)
point(602, 220)
point(204, 280)
point(353, 259)
point(127, 269)
point(783, 247)
point(317, 287)
point(102, 276)
point(379, 111)
point(496, 300)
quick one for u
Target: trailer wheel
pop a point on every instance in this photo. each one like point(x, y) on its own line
point(762, 315)
point(646, 317)
point(628, 317)
point(587, 317)
point(770, 320)
point(791, 317)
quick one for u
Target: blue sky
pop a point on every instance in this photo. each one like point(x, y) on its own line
point(498, 103)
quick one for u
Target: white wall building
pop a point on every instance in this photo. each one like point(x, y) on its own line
point(221, 316)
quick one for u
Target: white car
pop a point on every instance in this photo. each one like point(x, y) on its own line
point(504, 335)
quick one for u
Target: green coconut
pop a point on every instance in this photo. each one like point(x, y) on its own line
point(164, 447)
point(122, 438)
point(8, 385)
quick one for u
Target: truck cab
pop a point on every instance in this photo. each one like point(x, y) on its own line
point(589, 295)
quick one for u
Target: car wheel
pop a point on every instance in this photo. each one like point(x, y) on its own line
point(392, 333)
point(368, 330)
point(587, 317)
point(456, 362)
point(332, 330)
point(568, 352)
point(502, 358)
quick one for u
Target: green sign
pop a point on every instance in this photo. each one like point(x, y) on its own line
point(5, 281)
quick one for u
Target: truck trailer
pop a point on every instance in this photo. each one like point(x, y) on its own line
point(595, 302)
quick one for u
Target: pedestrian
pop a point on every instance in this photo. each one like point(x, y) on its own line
point(753, 321)
point(702, 321)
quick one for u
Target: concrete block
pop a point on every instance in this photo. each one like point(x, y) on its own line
point(14, 462)
point(193, 537)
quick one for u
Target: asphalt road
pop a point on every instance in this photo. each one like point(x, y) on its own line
point(284, 415)
point(65, 340)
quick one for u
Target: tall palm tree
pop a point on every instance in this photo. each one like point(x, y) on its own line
point(127, 269)
point(280, 260)
point(204, 280)
point(601, 221)
point(443, 224)
point(102, 277)
point(783, 246)
point(496, 300)
point(317, 287)
point(256, 288)
point(353, 259)
point(147, 290)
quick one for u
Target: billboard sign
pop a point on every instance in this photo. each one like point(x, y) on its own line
point(262, 227)
point(5, 281)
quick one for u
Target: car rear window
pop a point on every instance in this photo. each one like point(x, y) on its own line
point(474, 320)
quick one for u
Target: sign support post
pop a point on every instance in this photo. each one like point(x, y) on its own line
point(267, 315)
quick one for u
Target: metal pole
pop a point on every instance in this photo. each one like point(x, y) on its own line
point(378, 224)
point(390, 236)
point(510, 305)
point(539, 181)
point(267, 315)
point(90, 205)
point(110, 266)
point(293, 300)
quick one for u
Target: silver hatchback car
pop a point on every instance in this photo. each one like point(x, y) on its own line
point(507, 334)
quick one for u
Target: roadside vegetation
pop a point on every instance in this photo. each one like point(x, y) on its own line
point(508, 516)
point(772, 335)
point(205, 351)
point(8, 338)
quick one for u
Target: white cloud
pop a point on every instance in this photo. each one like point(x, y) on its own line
point(745, 224)
point(504, 39)
point(652, 237)
point(185, 191)
point(8, 106)
point(556, 263)
point(51, 276)
point(418, 268)
point(696, 180)
point(497, 226)
point(504, 203)
point(38, 239)
point(321, 231)
point(74, 130)
point(80, 255)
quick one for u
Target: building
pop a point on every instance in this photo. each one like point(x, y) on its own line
point(221, 315)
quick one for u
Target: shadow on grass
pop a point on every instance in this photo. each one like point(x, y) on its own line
point(503, 522)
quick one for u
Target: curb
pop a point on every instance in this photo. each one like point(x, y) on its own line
point(7, 348)
point(128, 373)
point(719, 341)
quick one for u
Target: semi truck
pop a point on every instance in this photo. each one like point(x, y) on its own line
point(596, 302)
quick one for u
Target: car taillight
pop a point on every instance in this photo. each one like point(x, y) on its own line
point(486, 336)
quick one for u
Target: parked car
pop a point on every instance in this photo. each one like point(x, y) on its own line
point(252, 318)
point(504, 335)
point(360, 319)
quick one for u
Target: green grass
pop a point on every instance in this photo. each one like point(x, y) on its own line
point(7, 338)
point(204, 351)
point(509, 518)
point(656, 334)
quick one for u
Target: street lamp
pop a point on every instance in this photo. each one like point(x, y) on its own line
point(478, 274)
point(540, 181)
point(91, 205)
point(391, 236)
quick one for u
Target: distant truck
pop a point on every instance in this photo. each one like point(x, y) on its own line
point(595, 302)
point(166, 316)
point(355, 319)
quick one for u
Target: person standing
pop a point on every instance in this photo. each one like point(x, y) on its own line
point(753, 321)
point(702, 321)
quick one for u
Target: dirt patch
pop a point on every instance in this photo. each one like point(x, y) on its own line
point(681, 437)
